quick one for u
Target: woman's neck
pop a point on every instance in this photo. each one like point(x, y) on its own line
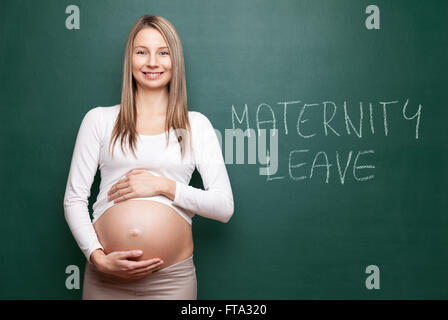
point(151, 103)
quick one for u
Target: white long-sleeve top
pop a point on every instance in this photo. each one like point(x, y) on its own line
point(91, 151)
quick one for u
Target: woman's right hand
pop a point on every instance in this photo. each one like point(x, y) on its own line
point(117, 263)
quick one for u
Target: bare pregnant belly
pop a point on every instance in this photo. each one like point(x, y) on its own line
point(153, 227)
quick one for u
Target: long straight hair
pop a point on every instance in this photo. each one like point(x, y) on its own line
point(177, 112)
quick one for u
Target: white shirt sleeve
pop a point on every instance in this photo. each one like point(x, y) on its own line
point(83, 168)
point(216, 201)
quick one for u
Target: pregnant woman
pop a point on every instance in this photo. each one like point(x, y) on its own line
point(139, 244)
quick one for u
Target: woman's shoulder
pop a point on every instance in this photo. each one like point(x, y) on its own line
point(100, 118)
point(103, 114)
point(100, 110)
point(109, 111)
point(198, 119)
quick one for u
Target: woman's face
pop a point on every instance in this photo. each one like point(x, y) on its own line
point(151, 61)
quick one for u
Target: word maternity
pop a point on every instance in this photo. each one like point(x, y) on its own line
point(325, 120)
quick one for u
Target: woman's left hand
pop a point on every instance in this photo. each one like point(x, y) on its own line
point(138, 183)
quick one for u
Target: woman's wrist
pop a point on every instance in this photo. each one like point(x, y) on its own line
point(167, 188)
point(96, 257)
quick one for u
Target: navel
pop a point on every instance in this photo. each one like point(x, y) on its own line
point(135, 232)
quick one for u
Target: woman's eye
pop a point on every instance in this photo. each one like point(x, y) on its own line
point(143, 52)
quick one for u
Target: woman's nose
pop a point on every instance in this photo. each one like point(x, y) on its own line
point(152, 60)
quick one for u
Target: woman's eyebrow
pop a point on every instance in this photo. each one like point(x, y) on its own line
point(147, 48)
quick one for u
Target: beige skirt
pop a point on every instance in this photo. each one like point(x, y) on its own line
point(175, 282)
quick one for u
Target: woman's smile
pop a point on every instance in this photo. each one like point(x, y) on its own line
point(152, 75)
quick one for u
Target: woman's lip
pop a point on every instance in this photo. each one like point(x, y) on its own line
point(147, 76)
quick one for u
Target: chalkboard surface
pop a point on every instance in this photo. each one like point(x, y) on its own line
point(356, 207)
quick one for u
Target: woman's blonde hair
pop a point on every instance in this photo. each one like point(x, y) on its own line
point(177, 112)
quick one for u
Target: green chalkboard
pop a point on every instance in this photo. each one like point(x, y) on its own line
point(356, 208)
